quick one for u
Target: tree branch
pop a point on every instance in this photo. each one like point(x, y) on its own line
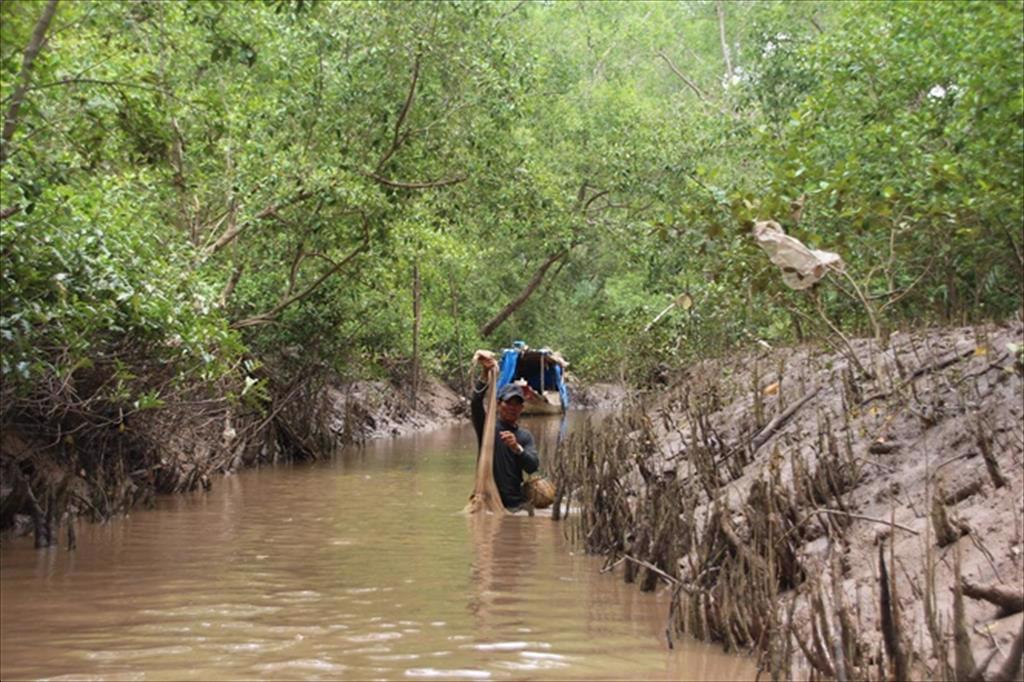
point(509, 13)
point(725, 43)
point(693, 86)
point(397, 140)
point(270, 315)
point(416, 185)
point(532, 285)
point(229, 287)
point(684, 78)
point(96, 81)
point(594, 198)
point(234, 229)
point(25, 76)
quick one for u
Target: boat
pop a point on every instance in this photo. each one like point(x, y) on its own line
point(543, 370)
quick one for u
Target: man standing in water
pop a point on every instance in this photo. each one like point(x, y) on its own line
point(514, 449)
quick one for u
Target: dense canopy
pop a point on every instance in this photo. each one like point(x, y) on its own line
point(379, 187)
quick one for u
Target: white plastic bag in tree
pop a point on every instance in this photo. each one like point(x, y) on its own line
point(801, 267)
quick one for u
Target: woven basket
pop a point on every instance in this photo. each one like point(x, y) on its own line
point(540, 492)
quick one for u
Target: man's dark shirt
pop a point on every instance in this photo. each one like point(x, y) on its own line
point(508, 466)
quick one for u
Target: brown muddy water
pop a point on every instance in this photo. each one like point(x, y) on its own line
point(358, 568)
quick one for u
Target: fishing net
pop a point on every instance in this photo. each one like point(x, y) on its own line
point(485, 497)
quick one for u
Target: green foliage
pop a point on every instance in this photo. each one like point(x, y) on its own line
point(197, 181)
point(905, 136)
point(97, 279)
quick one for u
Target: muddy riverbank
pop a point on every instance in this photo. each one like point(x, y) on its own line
point(845, 516)
point(52, 472)
point(368, 410)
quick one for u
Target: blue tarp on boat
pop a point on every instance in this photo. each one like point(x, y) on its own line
point(541, 369)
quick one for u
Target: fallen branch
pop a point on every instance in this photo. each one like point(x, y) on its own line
point(654, 569)
point(866, 518)
point(961, 494)
point(775, 424)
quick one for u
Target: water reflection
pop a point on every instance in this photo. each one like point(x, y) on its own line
point(504, 552)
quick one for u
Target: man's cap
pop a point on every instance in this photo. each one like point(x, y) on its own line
point(510, 391)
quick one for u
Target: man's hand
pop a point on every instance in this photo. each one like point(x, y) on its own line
point(485, 359)
point(509, 439)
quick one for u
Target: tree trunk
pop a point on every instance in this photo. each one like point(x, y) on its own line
point(524, 295)
point(463, 374)
point(25, 77)
point(416, 317)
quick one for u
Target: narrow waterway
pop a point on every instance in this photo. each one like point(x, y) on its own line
point(358, 568)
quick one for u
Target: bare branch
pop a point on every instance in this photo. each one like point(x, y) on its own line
point(689, 83)
point(234, 229)
point(416, 185)
point(534, 282)
point(397, 140)
point(25, 76)
point(271, 315)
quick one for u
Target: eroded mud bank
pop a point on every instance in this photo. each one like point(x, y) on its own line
point(843, 523)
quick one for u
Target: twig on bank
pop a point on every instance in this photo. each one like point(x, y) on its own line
point(775, 424)
point(655, 569)
point(865, 518)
